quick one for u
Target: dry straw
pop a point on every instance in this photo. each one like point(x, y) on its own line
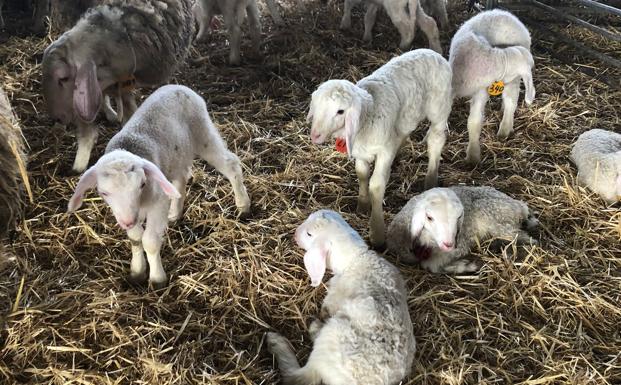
point(549, 314)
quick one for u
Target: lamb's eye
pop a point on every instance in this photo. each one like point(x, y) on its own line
point(309, 234)
point(142, 185)
point(340, 112)
point(429, 218)
point(103, 194)
point(63, 80)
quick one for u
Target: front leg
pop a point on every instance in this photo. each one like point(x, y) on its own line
point(138, 265)
point(369, 21)
point(157, 222)
point(87, 136)
point(363, 170)
point(436, 137)
point(346, 20)
point(176, 206)
point(377, 187)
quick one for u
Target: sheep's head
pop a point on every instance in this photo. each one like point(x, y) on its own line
point(121, 178)
point(328, 240)
point(437, 218)
point(334, 111)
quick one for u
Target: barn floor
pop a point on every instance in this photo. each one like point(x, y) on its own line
point(549, 314)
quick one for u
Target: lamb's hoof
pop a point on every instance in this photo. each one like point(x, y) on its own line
point(274, 342)
point(234, 60)
point(473, 160)
point(378, 242)
point(158, 285)
point(243, 212)
point(345, 25)
point(503, 135)
point(314, 327)
point(367, 39)
point(138, 279)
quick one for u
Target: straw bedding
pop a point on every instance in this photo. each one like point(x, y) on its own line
point(549, 314)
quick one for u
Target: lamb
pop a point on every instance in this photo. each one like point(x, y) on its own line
point(597, 155)
point(12, 167)
point(492, 46)
point(234, 12)
point(111, 50)
point(437, 10)
point(365, 335)
point(376, 115)
point(155, 147)
point(405, 15)
point(438, 227)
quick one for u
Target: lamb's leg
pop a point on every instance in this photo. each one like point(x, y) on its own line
point(87, 137)
point(460, 266)
point(377, 187)
point(405, 21)
point(176, 205)
point(138, 265)
point(429, 27)
point(346, 20)
point(228, 164)
point(273, 8)
point(204, 19)
point(111, 115)
point(510, 97)
point(369, 21)
point(152, 239)
point(254, 21)
point(314, 328)
point(363, 170)
point(232, 25)
point(475, 123)
point(436, 137)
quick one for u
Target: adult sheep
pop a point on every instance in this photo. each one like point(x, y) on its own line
point(112, 49)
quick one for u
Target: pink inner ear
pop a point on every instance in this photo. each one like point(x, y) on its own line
point(315, 264)
point(418, 221)
point(152, 171)
point(87, 181)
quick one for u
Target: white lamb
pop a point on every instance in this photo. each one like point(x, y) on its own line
point(405, 15)
point(156, 146)
point(437, 10)
point(597, 155)
point(438, 227)
point(234, 13)
point(378, 113)
point(492, 46)
point(365, 334)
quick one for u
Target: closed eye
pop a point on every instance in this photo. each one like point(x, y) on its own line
point(103, 194)
point(340, 112)
point(309, 234)
point(429, 218)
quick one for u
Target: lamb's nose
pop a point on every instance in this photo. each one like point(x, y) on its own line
point(127, 225)
point(448, 245)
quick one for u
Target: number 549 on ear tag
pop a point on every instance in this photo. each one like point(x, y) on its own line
point(496, 88)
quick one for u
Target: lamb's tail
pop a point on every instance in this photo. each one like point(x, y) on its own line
point(292, 373)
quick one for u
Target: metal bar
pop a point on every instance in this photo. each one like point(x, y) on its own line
point(600, 6)
point(594, 28)
point(580, 47)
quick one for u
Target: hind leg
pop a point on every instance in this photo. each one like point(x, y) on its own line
point(228, 164)
point(203, 12)
point(404, 21)
point(231, 21)
point(129, 105)
point(369, 21)
point(430, 29)
point(346, 20)
point(436, 138)
point(254, 22)
point(475, 124)
point(509, 103)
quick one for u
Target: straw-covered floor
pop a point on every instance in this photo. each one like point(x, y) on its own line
point(549, 314)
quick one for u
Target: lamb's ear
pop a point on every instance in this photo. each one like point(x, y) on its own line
point(309, 116)
point(315, 262)
point(87, 93)
point(352, 123)
point(154, 172)
point(418, 221)
point(87, 181)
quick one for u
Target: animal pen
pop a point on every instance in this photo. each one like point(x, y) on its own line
point(545, 314)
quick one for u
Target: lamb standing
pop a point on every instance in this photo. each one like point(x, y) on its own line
point(111, 49)
point(156, 146)
point(493, 46)
point(366, 312)
point(234, 12)
point(438, 227)
point(378, 113)
point(405, 15)
point(597, 155)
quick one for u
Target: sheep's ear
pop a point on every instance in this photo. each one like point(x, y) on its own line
point(309, 116)
point(418, 221)
point(87, 93)
point(352, 125)
point(154, 172)
point(315, 262)
point(87, 181)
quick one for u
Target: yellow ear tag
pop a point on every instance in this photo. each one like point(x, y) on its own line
point(496, 88)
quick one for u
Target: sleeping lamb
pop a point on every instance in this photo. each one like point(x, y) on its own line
point(438, 227)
